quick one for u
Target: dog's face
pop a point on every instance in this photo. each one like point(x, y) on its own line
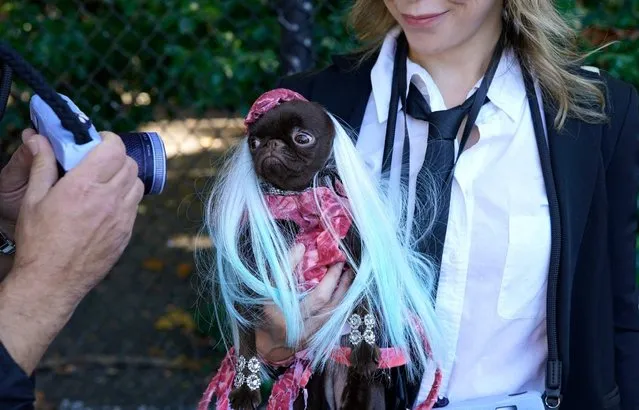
point(291, 143)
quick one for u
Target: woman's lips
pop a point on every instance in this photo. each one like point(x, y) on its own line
point(423, 20)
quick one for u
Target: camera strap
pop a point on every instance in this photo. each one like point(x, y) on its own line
point(553, 382)
point(11, 62)
point(552, 394)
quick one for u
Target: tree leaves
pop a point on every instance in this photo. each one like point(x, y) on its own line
point(185, 54)
point(617, 21)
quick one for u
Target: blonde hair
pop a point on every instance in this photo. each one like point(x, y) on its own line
point(544, 43)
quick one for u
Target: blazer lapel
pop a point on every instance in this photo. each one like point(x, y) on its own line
point(573, 152)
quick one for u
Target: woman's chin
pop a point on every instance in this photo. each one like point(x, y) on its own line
point(429, 43)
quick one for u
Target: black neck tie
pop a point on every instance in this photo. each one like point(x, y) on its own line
point(440, 159)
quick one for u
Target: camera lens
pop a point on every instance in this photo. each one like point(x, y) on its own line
point(147, 149)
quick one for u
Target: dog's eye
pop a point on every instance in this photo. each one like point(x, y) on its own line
point(302, 138)
point(254, 142)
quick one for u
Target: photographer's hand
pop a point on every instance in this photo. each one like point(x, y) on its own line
point(68, 236)
point(13, 184)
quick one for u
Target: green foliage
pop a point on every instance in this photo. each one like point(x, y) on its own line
point(613, 22)
point(171, 56)
point(127, 62)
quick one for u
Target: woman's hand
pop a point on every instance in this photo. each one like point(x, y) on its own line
point(316, 306)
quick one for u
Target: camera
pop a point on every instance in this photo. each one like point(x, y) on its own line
point(146, 148)
point(70, 131)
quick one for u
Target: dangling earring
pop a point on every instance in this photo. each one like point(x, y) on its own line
point(355, 321)
point(253, 379)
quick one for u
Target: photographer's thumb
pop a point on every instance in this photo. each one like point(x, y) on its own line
point(44, 170)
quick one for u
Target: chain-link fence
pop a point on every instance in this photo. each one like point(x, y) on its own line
point(189, 70)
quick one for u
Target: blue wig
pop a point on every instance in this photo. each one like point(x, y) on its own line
point(392, 277)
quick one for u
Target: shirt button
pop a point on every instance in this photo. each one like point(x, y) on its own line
point(454, 257)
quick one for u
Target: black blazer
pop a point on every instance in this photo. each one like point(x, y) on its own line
point(596, 179)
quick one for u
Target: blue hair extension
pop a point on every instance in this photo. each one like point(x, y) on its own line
point(392, 277)
point(237, 201)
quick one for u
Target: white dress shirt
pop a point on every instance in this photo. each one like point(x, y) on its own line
point(491, 299)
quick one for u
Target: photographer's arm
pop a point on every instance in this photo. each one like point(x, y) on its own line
point(31, 315)
point(69, 234)
point(30, 318)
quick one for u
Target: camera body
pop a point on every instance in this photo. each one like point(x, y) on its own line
point(47, 123)
point(146, 148)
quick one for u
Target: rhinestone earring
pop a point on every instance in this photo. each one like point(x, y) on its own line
point(355, 322)
point(253, 380)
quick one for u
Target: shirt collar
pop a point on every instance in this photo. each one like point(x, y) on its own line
point(507, 91)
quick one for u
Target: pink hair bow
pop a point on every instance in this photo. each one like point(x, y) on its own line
point(270, 100)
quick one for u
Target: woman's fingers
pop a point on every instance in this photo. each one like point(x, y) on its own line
point(321, 315)
point(273, 316)
point(316, 305)
point(342, 287)
point(295, 255)
point(323, 292)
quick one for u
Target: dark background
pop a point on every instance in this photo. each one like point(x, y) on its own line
point(189, 70)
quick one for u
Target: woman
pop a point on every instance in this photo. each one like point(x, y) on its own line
point(537, 286)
